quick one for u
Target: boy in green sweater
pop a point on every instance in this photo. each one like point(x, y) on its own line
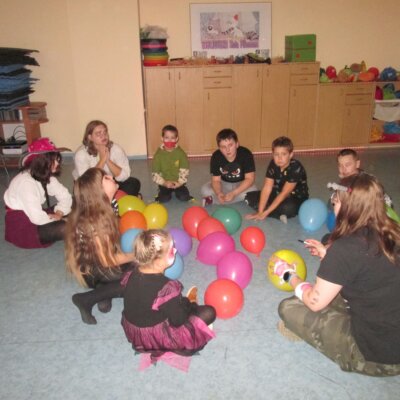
point(171, 167)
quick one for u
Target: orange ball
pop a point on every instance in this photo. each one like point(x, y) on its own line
point(132, 219)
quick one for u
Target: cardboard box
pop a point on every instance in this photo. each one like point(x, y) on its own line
point(300, 48)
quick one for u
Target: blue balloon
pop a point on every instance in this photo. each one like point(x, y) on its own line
point(313, 214)
point(331, 221)
point(128, 238)
point(176, 269)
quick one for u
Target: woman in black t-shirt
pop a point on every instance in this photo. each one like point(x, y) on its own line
point(352, 312)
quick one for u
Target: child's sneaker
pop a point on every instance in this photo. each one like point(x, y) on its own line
point(288, 334)
point(192, 294)
point(207, 201)
point(283, 218)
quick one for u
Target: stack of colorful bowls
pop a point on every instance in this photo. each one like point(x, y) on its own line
point(154, 52)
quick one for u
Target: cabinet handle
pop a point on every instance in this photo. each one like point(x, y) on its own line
point(258, 73)
point(179, 75)
point(217, 82)
point(169, 75)
point(294, 92)
point(208, 95)
point(267, 73)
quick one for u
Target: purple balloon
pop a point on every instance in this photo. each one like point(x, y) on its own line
point(183, 242)
point(237, 267)
point(214, 246)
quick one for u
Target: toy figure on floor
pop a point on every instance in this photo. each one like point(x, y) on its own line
point(171, 167)
point(285, 186)
point(156, 317)
point(27, 224)
point(351, 313)
point(98, 151)
point(92, 239)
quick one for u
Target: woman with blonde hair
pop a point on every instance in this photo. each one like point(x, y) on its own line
point(92, 248)
point(352, 312)
point(99, 151)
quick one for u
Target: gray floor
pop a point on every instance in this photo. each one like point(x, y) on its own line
point(48, 353)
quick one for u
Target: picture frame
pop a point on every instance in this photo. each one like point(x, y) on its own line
point(226, 29)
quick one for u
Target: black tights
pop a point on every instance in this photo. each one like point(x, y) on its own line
point(101, 295)
point(51, 232)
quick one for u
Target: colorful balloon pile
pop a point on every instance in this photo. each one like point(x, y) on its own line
point(216, 247)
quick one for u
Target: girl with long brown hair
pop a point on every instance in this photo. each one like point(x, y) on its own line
point(92, 248)
point(99, 151)
point(352, 312)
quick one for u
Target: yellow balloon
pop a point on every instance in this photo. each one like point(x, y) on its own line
point(130, 203)
point(291, 257)
point(156, 216)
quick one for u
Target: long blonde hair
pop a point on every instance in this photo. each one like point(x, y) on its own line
point(363, 206)
point(150, 245)
point(92, 236)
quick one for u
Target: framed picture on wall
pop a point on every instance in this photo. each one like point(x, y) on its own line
point(226, 29)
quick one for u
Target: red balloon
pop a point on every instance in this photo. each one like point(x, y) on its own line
point(191, 219)
point(132, 219)
point(209, 225)
point(119, 194)
point(225, 296)
point(253, 239)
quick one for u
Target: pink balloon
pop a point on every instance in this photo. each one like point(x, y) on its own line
point(214, 246)
point(235, 266)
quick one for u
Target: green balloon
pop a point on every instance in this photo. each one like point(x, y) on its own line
point(231, 218)
point(392, 214)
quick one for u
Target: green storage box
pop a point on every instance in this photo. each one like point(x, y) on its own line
point(300, 48)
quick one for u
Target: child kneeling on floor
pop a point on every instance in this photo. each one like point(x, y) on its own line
point(156, 317)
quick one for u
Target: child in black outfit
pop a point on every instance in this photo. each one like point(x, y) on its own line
point(157, 319)
point(285, 186)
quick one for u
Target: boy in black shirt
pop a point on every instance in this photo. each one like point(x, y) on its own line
point(285, 187)
point(233, 171)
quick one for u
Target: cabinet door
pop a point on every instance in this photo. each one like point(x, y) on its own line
point(302, 115)
point(356, 124)
point(247, 81)
point(274, 104)
point(217, 114)
point(189, 108)
point(160, 104)
point(329, 116)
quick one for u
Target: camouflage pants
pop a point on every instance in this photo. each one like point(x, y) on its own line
point(329, 332)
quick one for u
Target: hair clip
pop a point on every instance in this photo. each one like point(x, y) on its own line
point(157, 241)
point(336, 186)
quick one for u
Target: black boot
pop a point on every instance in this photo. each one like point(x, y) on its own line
point(85, 301)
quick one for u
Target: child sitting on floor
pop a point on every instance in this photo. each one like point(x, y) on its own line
point(285, 186)
point(171, 167)
point(156, 317)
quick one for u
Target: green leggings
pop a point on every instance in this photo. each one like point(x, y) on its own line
point(329, 332)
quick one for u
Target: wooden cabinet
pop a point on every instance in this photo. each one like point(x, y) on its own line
point(303, 97)
point(189, 108)
point(247, 83)
point(160, 104)
point(260, 102)
point(344, 115)
point(357, 115)
point(173, 96)
point(217, 103)
point(274, 104)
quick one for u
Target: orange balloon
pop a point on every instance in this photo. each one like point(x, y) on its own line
point(191, 219)
point(132, 219)
point(209, 225)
